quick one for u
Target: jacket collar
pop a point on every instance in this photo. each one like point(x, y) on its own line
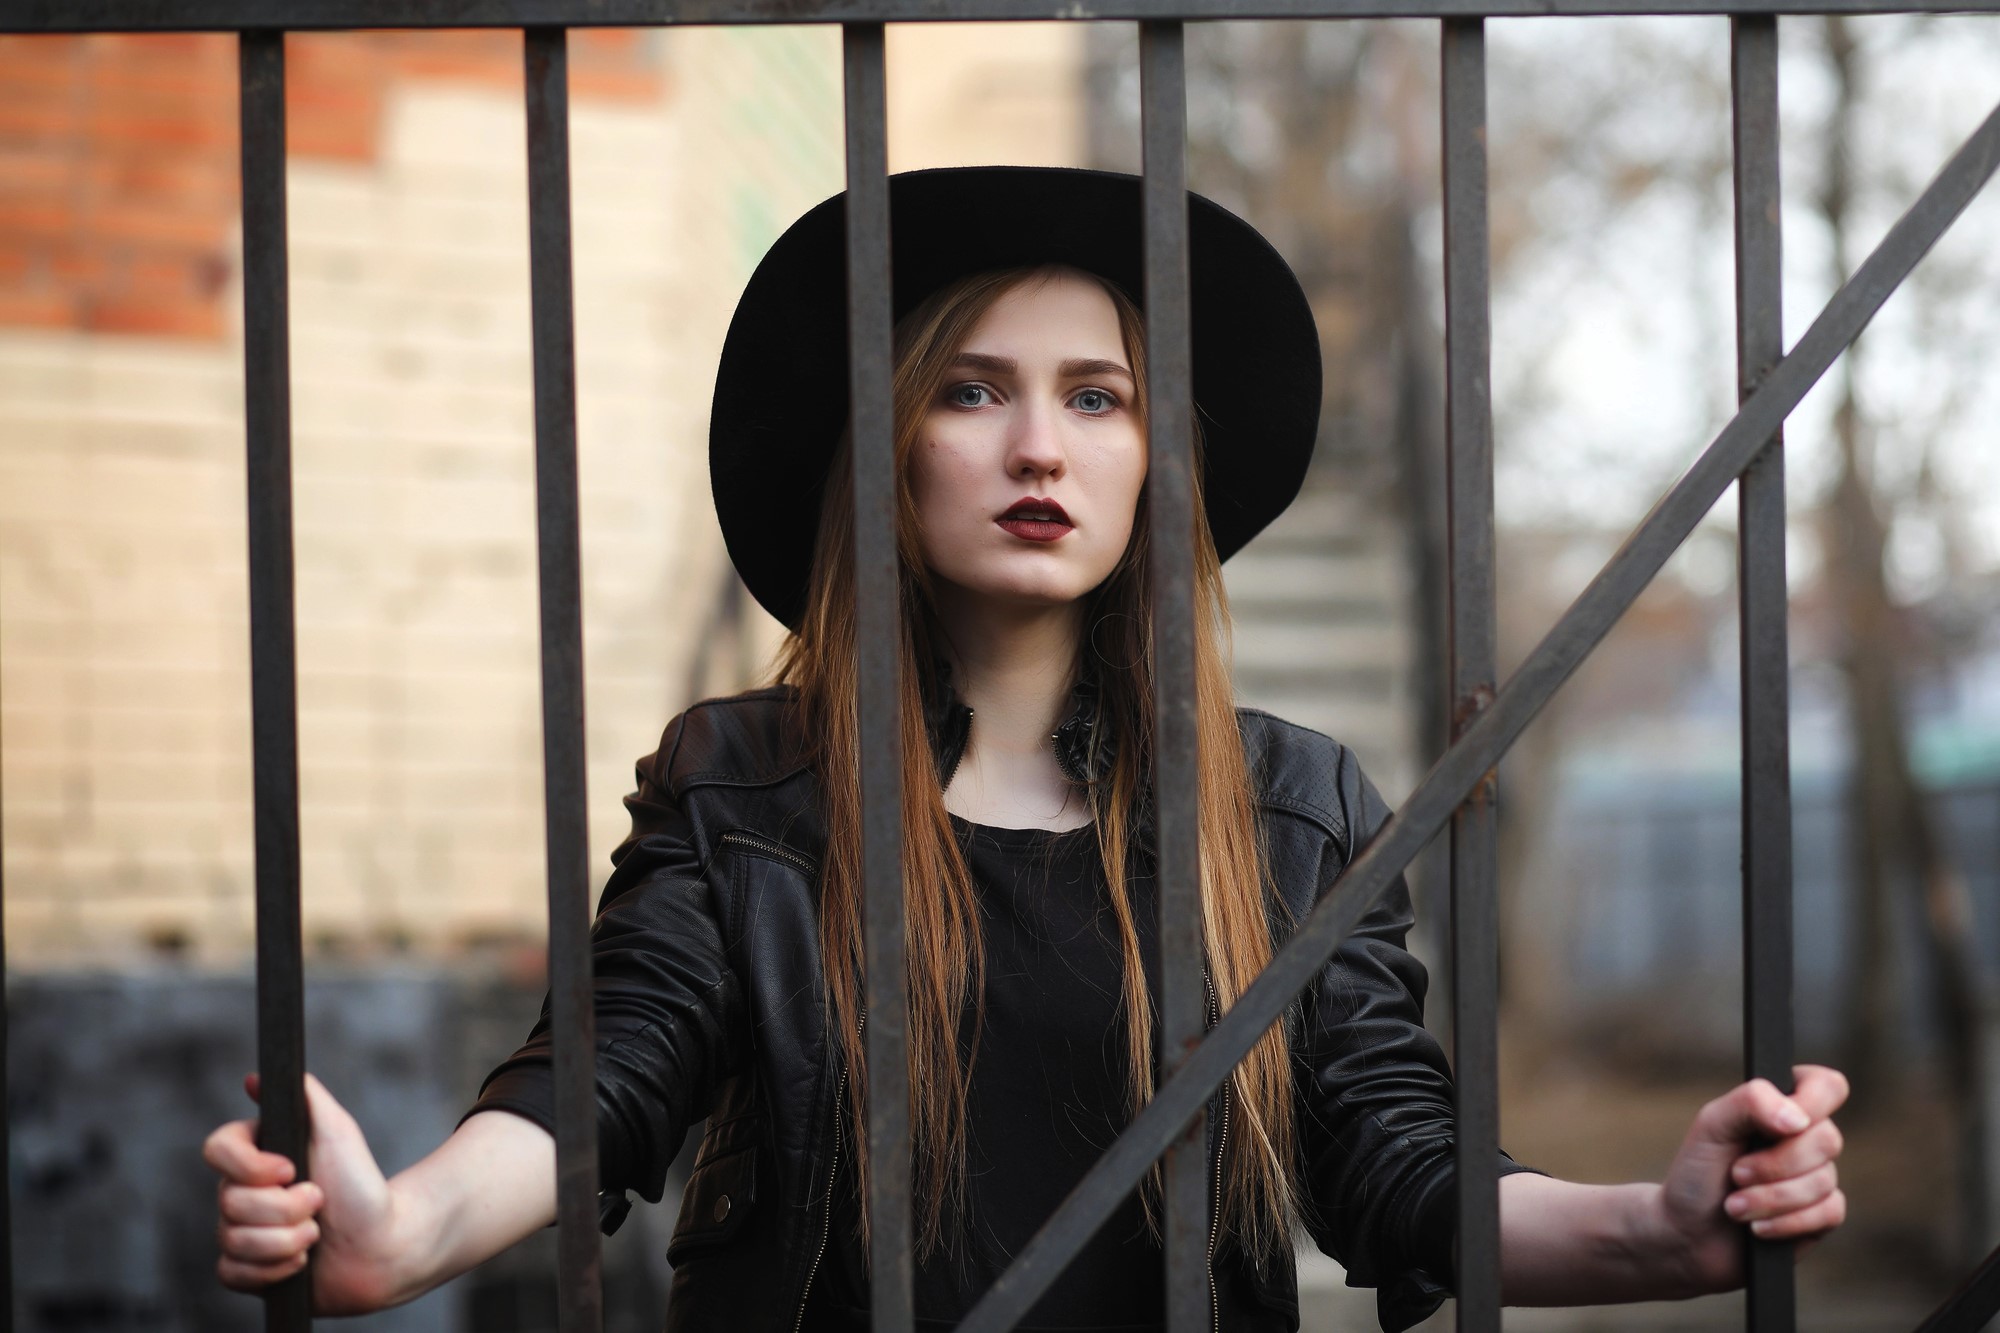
point(1083, 751)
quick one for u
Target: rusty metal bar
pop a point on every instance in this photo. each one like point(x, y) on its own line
point(879, 632)
point(1764, 659)
point(1475, 913)
point(6, 1138)
point(1972, 1306)
point(274, 711)
point(1176, 781)
point(234, 15)
point(579, 1262)
point(1464, 765)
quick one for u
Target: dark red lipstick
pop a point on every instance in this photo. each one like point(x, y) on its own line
point(1036, 520)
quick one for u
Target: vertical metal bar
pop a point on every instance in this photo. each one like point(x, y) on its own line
point(6, 1146)
point(1469, 500)
point(879, 631)
point(578, 1245)
point(274, 716)
point(1761, 609)
point(1169, 393)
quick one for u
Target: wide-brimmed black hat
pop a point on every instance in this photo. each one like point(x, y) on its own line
point(781, 389)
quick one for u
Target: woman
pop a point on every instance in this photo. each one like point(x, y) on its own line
point(727, 946)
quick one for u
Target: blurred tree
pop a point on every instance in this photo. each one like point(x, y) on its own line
point(1895, 834)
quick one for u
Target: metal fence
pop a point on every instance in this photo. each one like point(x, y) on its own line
point(1458, 790)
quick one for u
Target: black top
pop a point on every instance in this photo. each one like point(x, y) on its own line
point(1048, 1095)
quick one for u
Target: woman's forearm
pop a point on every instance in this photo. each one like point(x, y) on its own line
point(488, 1186)
point(1562, 1243)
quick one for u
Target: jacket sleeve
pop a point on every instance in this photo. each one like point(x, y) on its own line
point(664, 999)
point(1375, 1096)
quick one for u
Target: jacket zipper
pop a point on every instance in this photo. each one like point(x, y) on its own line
point(832, 1173)
point(1215, 1198)
point(769, 848)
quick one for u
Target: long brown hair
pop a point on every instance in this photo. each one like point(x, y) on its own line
point(942, 939)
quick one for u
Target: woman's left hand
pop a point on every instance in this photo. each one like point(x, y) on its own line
point(1756, 1156)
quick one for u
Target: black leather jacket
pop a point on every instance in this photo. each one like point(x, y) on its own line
point(708, 1000)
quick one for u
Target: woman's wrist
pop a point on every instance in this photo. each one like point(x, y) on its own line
point(1563, 1243)
point(491, 1184)
point(414, 1240)
point(1665, 1262)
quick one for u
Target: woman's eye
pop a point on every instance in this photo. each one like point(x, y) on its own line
point(968, 395)
point(1095, 401)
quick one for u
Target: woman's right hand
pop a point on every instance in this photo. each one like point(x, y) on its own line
point(344, 1215)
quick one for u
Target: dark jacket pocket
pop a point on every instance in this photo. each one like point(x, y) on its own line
point(721, 1196)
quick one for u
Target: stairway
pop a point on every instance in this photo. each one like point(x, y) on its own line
point(1325, 613)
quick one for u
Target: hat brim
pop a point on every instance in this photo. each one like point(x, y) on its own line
point(782, 386)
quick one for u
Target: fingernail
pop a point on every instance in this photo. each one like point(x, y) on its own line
point(1736, 1205)
point(1761, 1226)
point(1741, 1171)
point(1791, 1119)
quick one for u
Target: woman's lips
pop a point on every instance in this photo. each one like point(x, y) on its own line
point(1034, 529)
point(1035, 518)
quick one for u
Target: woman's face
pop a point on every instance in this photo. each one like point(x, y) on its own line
point(1028, 464)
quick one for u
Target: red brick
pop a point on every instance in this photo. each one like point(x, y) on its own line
point(180, 319)
point(119, 153)
point(37, 310)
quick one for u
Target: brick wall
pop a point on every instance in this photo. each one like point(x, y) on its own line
point(122, 630)
point(123, 635)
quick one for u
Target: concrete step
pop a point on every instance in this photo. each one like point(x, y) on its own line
point(1294, 645)
point(1341, 584)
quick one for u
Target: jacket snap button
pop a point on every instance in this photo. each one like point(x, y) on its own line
point(721, 1207)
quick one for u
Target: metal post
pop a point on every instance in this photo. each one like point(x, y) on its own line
point(1761, 605)
point(579, 1267)
point(274, 714)
point(1475, 917)
point(879, 632)
point(1169, 393)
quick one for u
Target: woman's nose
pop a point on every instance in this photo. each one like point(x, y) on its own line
point(1034, 446)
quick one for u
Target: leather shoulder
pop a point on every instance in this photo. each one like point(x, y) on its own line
point(741, 740)
point(1299, 771)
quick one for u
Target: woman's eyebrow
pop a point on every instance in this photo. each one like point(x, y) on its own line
point(1076, 368)
point(1090, 367)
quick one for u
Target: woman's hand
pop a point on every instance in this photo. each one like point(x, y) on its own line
point(375, 1242)
point(345, 1215)
point(1755, 1156)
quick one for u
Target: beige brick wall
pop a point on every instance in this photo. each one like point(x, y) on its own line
point(123, 635)
point(123, 639)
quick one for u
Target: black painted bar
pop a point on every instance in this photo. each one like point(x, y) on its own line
point(1170, 487)
point(1464, 765)
point(233, 15)
point(1764, 660)
point(274, 712)
point(878, 627)
point(1475, 914)
point(6, 1148)
point(579, 1261)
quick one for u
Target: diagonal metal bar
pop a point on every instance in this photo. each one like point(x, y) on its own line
point(1462, 766)
point(233, 15)
point(274, 711)
point(1971, 1307)
point(1764, 656)
point(579, 1250)
point(1475, 899)
point(1170, 487)
point(878, 630)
